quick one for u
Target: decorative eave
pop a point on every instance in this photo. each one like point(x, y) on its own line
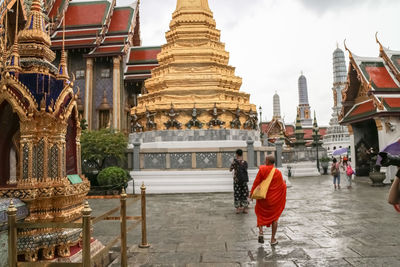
point(386, 54)
point(117, 43)
point(56, 10)
point(367, 87)
point(140, 68)
point(9, 4)
point(82, 35)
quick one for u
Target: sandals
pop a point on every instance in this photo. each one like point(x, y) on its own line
point(274, 243)
point(245, 210)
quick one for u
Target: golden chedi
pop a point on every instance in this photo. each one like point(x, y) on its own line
point(193, 87)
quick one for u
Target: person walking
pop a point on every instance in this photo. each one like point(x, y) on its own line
point(240, 180)
point(347, 171)
point(269, 210)
point(335, 172)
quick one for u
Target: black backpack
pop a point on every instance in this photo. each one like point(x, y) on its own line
point(241, 174)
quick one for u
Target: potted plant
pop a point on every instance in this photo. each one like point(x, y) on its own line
point(377, 177)
point(325, 163)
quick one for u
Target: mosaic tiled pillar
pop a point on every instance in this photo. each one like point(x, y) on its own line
point(116, 93)
point(89, 93)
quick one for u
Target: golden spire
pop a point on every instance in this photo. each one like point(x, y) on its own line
point(34, 40)
point(13, 65)
point(62, 68)
point(193, 4)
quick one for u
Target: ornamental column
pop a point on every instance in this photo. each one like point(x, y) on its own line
point(89, 93)
point(116, 93)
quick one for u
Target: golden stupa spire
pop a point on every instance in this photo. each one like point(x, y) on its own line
point(193, 68)
point(34, 40)
point(14, 64)
point(62, 68)
point(193, 4)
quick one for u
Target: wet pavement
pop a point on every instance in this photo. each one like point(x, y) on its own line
point(319, 227)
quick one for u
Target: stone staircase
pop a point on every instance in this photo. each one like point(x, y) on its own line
point(186, 181)
point(302, 169)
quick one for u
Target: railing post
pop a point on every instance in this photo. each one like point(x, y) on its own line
point(12, 235)
point(86, 225)
point(144, 243)
point(124, 259)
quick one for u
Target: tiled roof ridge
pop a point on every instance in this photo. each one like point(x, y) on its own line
point(129, 34)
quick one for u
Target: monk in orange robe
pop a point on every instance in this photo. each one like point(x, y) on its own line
point(269, 210)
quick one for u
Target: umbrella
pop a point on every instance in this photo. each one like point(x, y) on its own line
point(340, 151)
point(392, 149)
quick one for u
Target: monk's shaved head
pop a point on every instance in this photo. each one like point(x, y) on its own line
point(270, 160)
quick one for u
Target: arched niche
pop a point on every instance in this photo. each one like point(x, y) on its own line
point(9, 144)
point(70, 143)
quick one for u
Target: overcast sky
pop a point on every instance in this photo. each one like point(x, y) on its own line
point(271, 41)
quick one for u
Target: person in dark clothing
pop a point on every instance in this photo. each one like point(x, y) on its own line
point(240, 179)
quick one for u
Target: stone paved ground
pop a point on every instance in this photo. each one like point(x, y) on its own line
point(319, 227)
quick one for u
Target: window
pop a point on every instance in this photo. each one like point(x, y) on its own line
point(80, 74)
point(105, 73)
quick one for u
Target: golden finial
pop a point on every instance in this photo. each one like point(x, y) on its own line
point(62, 68)
point(348, 50)
point(14, 65)
point(377, 40)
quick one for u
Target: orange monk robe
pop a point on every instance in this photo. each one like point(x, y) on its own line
point(269, 210)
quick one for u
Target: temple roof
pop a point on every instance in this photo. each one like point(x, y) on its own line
point(373, 86)
point(375, 70)
point(117, 37)
point(140, 62)
point(82, 29)
point(55, 8)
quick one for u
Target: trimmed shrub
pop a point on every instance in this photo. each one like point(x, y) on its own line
point(112, 176)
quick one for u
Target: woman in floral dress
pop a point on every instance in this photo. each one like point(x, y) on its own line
point(240, 188)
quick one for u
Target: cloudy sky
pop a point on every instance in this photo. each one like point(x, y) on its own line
point(271, 41)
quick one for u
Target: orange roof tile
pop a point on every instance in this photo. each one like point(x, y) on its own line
point(80, 14)
point(381, 77)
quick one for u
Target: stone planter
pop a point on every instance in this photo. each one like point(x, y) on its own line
point(377, 178)
point(324, 166)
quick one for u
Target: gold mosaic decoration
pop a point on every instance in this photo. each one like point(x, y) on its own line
point(41, 141)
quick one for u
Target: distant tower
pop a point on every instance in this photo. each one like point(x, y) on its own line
point(304, 107)
point(337, 136)
point(277, 106)
point(339, 76)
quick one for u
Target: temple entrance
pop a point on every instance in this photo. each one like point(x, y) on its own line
point(9, 143)
point(365, 137)
point(70, 143)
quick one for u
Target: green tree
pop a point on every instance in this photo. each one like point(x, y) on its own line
point(99, 146)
